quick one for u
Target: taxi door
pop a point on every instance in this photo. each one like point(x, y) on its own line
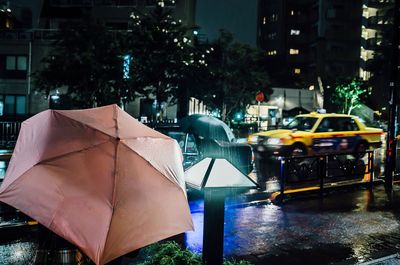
point(335, 134)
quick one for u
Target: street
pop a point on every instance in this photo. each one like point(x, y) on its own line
point(347, 226)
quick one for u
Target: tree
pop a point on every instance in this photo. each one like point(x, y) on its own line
point(347, 95)
point(238, 73)
point(162, 56)
point(87, 60)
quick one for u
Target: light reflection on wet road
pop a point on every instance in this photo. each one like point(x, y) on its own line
point(346, 227)
point(21, 251)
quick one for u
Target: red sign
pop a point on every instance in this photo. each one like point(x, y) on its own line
point(260, 96)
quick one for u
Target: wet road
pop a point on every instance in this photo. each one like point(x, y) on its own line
point(346, 227)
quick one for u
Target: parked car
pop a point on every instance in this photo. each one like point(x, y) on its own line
point(196, 145)
point(315, 133)
point(190, 151)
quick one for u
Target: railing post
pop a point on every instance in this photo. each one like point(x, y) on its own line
point(321, 173)
point(371, 168)
point(282, 177)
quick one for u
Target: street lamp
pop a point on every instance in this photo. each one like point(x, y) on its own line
point(218, 178)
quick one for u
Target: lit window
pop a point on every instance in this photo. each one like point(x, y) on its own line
point(19, 63)
point(297, 71)
point(292, 12)
point(365, 75)
point(274, 17)
point(20, 103)
point(22, 63)
point(9, 23)
point(294, 51)
point(271, 53)
point(294, 32)
point(10, 63)
point(264, 20)
point(12, 104)
point(365, 13)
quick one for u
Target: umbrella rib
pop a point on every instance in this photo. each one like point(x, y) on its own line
point(71, 153)
point(148, 161)
point(85, 124)
point(115, 117)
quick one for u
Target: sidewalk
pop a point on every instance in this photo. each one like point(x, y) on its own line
point(349, 225)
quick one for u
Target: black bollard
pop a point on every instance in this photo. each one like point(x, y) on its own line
point(216, 185)
point(213, 233)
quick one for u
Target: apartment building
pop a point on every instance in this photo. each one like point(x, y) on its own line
point(309, 44)
point(26, 30)
point(376, 38)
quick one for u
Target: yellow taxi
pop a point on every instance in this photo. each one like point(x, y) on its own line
point(314, 133)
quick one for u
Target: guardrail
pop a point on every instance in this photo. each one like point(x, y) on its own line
point(9, 131)
point(318, 172)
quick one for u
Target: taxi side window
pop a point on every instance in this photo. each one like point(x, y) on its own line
point(337, 124)
point(347, 124)
point(326, 125)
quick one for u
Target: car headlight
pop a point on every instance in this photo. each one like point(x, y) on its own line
point(253, 139)
point(274, 141)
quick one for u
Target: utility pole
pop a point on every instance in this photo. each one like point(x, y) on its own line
point(390, 160)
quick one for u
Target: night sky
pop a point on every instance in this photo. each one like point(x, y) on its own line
point(236, 16)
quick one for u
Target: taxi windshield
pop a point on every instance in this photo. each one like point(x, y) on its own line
point(302, 124)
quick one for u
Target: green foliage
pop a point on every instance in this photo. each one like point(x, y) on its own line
point(238, 73)
point(162, 55)
point(86, 59)
point(347, 95)
point(170, 253)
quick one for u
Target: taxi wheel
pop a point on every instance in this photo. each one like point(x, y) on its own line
point(298, 150)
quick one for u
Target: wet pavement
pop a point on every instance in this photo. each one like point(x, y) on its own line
point(347, 226)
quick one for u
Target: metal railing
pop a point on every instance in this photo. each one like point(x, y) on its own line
point(9, 131)
point(325, 170)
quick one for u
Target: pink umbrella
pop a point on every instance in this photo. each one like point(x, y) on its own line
point(100, 179)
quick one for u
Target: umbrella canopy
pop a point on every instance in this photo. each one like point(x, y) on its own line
point(217, 173)
point(207, 127)
point(98, 178)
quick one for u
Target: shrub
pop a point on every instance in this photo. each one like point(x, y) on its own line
point(170, 253)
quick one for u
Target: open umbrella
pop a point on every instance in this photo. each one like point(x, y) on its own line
point(98, 178)
point(207, 127)
point(215, 139)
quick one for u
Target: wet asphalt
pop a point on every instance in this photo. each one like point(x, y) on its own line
point(349, 225)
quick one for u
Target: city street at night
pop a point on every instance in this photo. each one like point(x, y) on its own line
point(199, 132)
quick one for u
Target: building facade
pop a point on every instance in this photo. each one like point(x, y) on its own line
point(26, 39)
point(375, 56)
point(310, 44)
